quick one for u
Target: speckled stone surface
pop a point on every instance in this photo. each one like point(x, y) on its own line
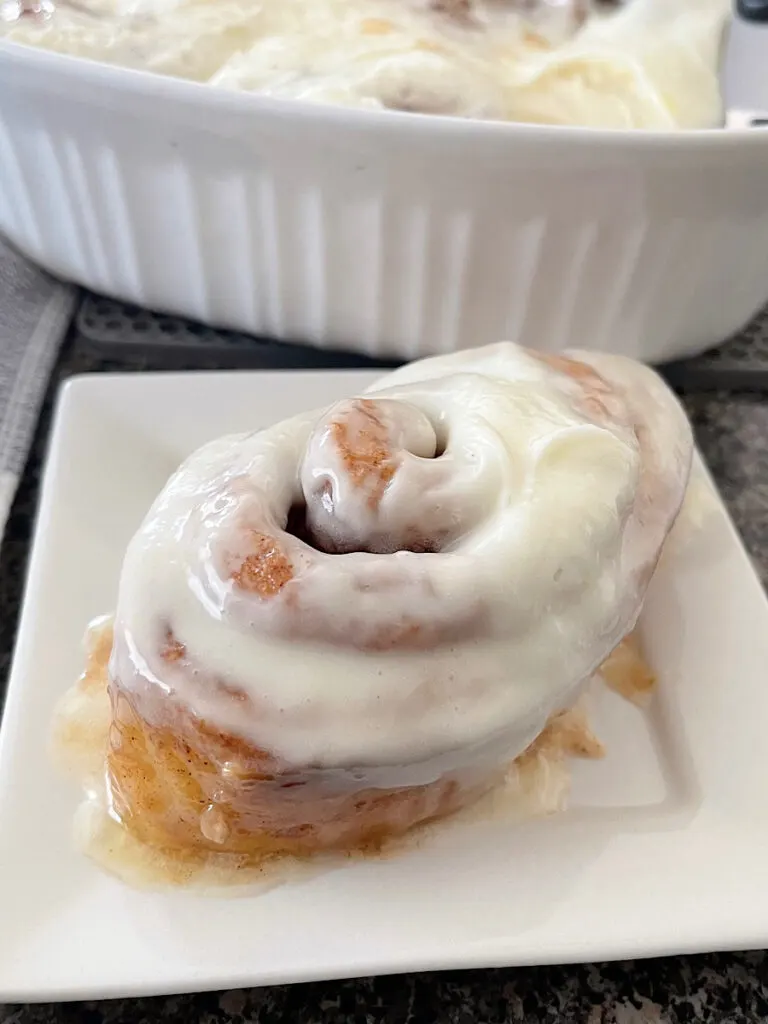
point(732, 431)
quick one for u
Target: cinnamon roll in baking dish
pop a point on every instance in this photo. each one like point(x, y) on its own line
point(342, 626)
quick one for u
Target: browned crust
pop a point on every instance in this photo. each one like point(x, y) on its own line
point(163, 778)
point(164, 775)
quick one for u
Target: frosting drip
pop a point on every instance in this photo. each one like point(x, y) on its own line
point(411, 582)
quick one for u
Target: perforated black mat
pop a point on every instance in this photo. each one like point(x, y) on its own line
point(113, 330)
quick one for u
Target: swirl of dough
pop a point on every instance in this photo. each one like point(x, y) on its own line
point(415, 579)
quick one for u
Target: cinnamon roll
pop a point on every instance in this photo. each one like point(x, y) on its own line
point(644, 64)
point(340, 627)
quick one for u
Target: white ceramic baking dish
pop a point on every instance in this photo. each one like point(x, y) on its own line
point(392, 234)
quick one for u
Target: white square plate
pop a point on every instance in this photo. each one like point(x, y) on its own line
point(664, 848)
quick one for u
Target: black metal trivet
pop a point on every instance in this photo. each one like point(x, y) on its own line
point(114, 330)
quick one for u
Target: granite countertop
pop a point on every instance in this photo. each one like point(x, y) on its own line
point(732, 431)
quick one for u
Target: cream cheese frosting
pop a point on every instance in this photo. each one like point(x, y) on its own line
point(485, 526)
point(650, 64)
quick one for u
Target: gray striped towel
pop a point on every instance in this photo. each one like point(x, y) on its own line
point(35, 310)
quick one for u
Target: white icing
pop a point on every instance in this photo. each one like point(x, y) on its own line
point(550, 527)
point(655, 64)
point(651, 64)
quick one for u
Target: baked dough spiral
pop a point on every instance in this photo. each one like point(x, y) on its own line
point(339, 626)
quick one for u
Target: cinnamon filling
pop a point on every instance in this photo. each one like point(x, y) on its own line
point(266, 570)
